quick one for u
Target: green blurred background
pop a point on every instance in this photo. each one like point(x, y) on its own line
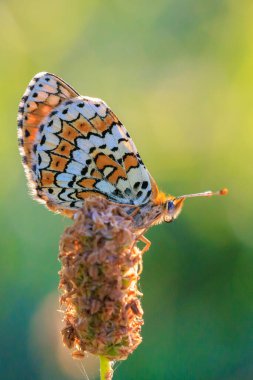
point(179, 74)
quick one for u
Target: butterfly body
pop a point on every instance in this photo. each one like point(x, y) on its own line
point(74, 147)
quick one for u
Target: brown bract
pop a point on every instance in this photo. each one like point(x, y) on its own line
point(98, 282)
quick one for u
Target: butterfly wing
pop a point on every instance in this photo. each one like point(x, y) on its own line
point(81, 149)
point(44, 93)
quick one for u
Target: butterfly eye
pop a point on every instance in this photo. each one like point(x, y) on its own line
point(170, 206)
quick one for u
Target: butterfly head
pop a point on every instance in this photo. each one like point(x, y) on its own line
point(173, 207)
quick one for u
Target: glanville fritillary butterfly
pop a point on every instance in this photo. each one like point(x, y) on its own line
point(74, 147)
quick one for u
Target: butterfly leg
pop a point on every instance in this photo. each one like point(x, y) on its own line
point(135, 212)
point(145, 241)
point(145, 249)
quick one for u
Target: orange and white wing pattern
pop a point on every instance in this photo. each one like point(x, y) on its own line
point(43, 94)
point(74, 147)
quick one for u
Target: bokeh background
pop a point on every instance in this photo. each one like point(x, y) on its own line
point(179, 74)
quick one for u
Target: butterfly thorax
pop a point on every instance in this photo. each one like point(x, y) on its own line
point(149, 214)
point(146, 215)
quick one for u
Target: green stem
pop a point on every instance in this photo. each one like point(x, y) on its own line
point(106, 371)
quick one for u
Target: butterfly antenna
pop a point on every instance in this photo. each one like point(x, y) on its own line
point(208, 193)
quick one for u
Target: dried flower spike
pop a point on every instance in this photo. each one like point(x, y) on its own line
point(98, 281)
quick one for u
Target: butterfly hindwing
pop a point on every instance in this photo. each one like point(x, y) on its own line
point(78, 148)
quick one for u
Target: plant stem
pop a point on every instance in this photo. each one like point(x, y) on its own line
point(106, 371)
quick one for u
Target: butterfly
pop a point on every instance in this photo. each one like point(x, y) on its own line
point(74, 147)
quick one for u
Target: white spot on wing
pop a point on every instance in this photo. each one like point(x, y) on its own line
point(84, 144)
point(110, 141)
point(74, 168)
point(97, 141)
point(45, 159)
point(66, 194)
point(71, 112)
point(52, 141)
point(63, 179)
point(80, 156)
point(105, 187)
point(107, 171)
point(88, 111)
point(55, 127)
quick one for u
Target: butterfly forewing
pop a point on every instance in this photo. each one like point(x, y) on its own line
point(74, 147)
point(43, 94)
